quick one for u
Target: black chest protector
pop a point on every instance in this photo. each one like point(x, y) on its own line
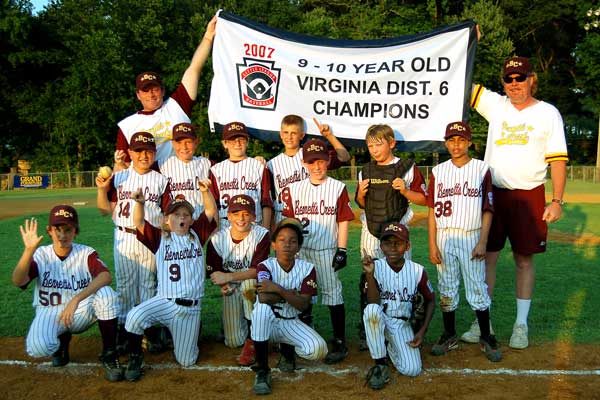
point(382, 202)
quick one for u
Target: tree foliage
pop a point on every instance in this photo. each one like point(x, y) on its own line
point(68, 72)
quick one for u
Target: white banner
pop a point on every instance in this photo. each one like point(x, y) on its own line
point(415, 84)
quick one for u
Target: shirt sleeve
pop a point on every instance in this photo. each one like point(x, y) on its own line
point(182, 97)
point(431, 191)
point(265, 188)
point(262, 251)
point(334, 161)
point(309, 283)
point(151, 236)
point(344, 209)
point(214, 262)
point(425, 288)
point(418, 182)
point(32, 274)
point(95, 265)
point(112, 191)
point(214, 189)
point(203, 228)
point(487, 192)
point(165, 198)
point(263, 273)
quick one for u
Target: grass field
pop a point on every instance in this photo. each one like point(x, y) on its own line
point(564, 304)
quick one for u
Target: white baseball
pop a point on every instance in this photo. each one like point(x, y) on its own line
point(105, 172)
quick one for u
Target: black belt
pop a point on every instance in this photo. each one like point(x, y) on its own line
point(128, 230)
point(275, 308)
point(185, 302)
point(402, 318)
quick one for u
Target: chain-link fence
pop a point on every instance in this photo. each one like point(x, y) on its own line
point(60, 180)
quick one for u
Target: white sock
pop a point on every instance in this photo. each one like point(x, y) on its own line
point(522, 311)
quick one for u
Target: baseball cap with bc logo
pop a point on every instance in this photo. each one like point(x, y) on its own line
point(142, 141)
point(184, 130)
point(313, 150)
point(234, 129)
point(458, 128)
point(63, 215)
point(147, 79)
point(242, 202)
point(395, 229)
point(516, 65)
point(179, 201)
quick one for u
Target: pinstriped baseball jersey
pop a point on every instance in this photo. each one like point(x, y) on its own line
point(285, 170)
point(179, 260)
point(125, 183)
point(459, 195)
point(302, 277)
point(183, 178)
point(159, 123)
point(59, 280)
point(247, 176)
point(398, 289)
point(225, 254)
point(319, 208)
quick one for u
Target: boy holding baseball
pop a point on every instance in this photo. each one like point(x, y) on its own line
point(460, 215)
point(232, 255)
point(135, 265)
point(72, 291)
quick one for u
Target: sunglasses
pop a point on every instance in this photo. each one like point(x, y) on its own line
point(519, 78)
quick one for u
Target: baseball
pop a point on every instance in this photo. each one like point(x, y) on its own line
point(105, 172)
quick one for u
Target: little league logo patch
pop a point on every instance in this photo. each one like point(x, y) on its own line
point(258, 81)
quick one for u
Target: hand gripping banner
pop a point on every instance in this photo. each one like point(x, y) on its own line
point(416, 84)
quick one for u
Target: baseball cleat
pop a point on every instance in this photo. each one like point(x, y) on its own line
point(113, 371)
point(134, 367)
point(61, 357)
point(262, 382)
point(444, 344)
point(378, 376)
point(472, 335)
point(491, 348)
point(338, 352)
point(519, 339)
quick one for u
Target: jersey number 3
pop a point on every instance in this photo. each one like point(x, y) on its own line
point(443, 208)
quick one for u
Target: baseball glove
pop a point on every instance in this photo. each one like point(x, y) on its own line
point(417, 316)
point(340, 259)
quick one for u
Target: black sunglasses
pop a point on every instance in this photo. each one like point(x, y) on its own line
point(519, 78)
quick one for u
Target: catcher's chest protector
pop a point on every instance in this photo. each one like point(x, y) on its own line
point(382, 202)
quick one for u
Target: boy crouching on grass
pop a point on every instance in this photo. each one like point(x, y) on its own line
point(71, 291)
point(393, 283)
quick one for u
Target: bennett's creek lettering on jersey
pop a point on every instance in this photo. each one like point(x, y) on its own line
point(396, 295)
point(72, 284)
point(313, 209)
point(188, 184)
point(457, 190)
point(241, 184)
point(236, 265)
point(126, 194)
point(191, 252)
point(296, 177)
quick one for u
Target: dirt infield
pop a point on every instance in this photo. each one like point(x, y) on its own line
point(555, 371)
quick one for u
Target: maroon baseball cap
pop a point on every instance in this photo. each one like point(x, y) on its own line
point(63, 215)
point(458, 128)
point(179, 201)
point(147, 79)
point(313, 150)
point(242, 202)
point(184, 130)
point(142, 141)
point(395, 229)
point(234, 129)
point(292, 223)
point(516, 65)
